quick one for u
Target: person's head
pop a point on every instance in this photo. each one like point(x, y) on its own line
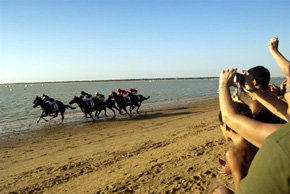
point(261, 77)
point(97, 93)
point(242, 109)
point(118, 90)
point(83, 93)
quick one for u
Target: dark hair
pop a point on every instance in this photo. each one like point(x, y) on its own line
point(261, 75)
point(241, 108)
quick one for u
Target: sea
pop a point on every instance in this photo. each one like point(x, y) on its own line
point(16, 101)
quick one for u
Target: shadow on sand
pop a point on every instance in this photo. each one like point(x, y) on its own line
point(158, 115)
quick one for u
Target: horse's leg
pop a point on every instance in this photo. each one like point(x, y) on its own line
point(131, 108)
point(92, 117)
point(86, 115)
point(120, 111)
point(138, 109)
point(105, 112)
point(44, 115)
point(62, 116)
point(115, 107)
point(98, 115)
point(127, 112)
point(39, 118)
point(55, 115)
point(44, 119)
point(113, 112)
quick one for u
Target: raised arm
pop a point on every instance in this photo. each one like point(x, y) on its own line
point(272, 103)
point(284, 65)
point(282, 62)
point(253, 131)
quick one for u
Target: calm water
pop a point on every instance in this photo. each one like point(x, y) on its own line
point(17, 113)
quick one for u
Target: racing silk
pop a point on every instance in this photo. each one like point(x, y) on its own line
point(122, 93)
point(45, 97)
point(134, 91)
point(51, 102)
point(100, 96)
point(87, 97)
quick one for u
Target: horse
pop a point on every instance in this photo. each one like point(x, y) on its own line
point(47, 110)
point(136, 101)
point(85, 108)
point(121, 103)
point(100, 105)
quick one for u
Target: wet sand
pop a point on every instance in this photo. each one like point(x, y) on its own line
point(169, 150)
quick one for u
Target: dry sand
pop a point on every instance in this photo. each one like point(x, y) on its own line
point(172, 150)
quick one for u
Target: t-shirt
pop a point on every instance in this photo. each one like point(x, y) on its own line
point(270, 169)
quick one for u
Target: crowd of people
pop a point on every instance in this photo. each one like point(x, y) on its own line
point(259, 160)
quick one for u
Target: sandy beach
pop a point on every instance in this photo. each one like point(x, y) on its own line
point(169, 150)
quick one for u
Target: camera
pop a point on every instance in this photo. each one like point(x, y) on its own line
point(239, 78)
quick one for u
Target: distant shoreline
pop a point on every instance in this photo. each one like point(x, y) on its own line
point(111, 80)
point(114, 80)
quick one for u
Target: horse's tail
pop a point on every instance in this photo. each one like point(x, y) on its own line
point(143, 97)
point(68, 106)
point(147, 98)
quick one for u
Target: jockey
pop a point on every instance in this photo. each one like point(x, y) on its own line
point(121, 92)
point(111, 95)
point(87, 98)
point(125, 94)
point(50, 101)
point(100, 96)
point(133, 91)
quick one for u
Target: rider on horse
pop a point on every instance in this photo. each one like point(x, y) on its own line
point(125, 94)
point(100, 96)
point(133, 91)
point(49, 101)
point(87, 98)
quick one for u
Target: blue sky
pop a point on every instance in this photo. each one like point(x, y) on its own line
point(95, 40)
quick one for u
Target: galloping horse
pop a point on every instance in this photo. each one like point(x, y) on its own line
point(136, 101)
point(83, 106)
point(47, 110)
point(121, 102)
point(100, 105)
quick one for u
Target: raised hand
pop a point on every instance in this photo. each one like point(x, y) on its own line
point(248, 81)
point(226, 77)
point(282, 62)
point(273, 44)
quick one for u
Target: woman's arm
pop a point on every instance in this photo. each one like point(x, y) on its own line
point(253, 131)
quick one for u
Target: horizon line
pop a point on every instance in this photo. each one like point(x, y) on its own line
point(112, 80)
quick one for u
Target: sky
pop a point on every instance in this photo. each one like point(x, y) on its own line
point(49, 40)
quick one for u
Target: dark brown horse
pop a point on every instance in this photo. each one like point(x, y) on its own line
point(85, 108)
point(100, 106)
point(121, 102)
point(136, 101)
point(47, 110)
